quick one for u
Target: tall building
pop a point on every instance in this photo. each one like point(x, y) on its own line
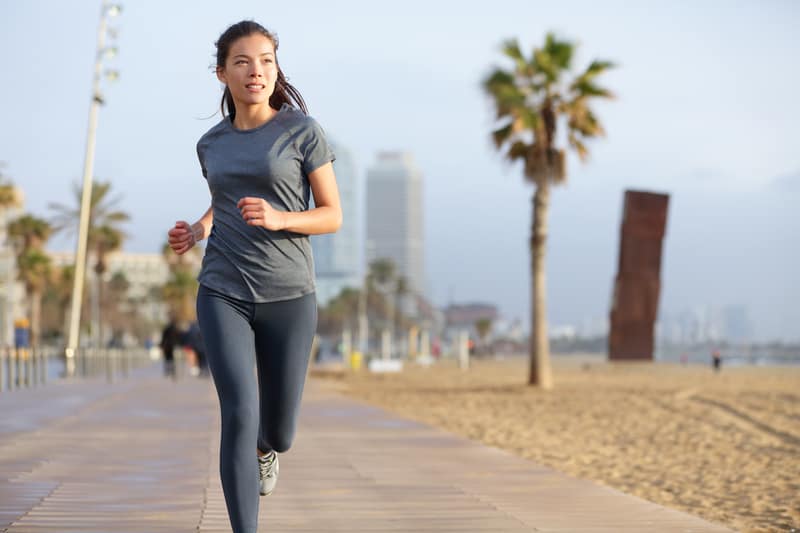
point(12, 293)
point(394, 215)
point(337, 256)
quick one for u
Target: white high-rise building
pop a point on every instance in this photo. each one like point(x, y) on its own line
point(12, 292)
point(337, 256)
point(394, 215)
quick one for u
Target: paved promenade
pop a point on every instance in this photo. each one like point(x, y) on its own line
point(141, 455)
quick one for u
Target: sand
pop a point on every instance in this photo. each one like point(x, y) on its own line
point(724, 446)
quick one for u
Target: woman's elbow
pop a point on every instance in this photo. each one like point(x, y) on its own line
point(336, 223)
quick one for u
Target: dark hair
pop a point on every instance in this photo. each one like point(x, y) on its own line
point(284, 93)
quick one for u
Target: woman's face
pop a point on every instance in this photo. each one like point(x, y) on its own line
point(250, 70)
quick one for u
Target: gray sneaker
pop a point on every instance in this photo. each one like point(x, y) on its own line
point(268, 473)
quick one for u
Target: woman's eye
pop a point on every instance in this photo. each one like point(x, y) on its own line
point(241, 62)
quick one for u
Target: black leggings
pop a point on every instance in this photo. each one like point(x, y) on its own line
point(275, 337)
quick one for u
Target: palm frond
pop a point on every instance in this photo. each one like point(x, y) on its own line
point(34, 268)
point(509, 103)
point(498, 78)
point(542, 62)
point(29, 232)
point(102, 211)
point(117, 216)
point(587, 88)
point(578, 146)
point(511, 49)
point(502, 134)
point(597, 67)
point(559, 51)
point(528, 119)
point(518, 150)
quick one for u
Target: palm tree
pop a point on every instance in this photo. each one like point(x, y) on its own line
point(29, 232)
point(180, 291)
point(56, 299)
point(531, 100)
point(104, 235)
point(8, 194)
point(34, 271)
point(107, 239)
point(118, 286)
point(339, 312)
point(483, 326)
point(121, 316)
point(382, 276)
point(402, 291)
point(29, 235)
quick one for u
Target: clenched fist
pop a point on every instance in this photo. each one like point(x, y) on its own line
point(258, 212)
point(181, 237)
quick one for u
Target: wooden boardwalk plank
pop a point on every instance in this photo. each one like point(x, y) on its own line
point(142, 455)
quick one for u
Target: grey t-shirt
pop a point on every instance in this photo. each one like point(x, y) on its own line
point(272, 162)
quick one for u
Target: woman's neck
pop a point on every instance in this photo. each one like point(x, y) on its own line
point(249, 117)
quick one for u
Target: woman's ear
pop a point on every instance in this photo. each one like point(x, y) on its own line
point(221, 75)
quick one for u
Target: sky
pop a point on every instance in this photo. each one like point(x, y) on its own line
point(706, 110)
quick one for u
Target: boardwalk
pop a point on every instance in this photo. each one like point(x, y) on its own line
point(141, 455)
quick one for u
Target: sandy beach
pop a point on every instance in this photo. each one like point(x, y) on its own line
point(723, 446)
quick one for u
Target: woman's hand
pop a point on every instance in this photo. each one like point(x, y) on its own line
point(181, 237)
point(258, 212)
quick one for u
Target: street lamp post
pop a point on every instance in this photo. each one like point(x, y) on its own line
point(107, 10)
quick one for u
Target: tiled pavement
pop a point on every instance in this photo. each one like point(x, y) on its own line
point(141, 455)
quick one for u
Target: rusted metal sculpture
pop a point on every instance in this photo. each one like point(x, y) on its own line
point(637, 286)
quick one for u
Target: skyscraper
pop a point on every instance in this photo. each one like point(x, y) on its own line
point(12, 292)
point(337, 256)
point(394, 215)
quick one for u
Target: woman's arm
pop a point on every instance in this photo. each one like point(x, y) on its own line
point(326, 217)
point(183, 236)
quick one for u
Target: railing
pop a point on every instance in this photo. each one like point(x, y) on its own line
point(26, 368)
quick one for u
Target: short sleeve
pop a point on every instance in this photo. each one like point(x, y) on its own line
point(314, 147)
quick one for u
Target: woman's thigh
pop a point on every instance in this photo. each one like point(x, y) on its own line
point(284, 332)
point(230, 345)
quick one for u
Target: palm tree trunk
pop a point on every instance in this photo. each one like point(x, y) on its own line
point(539, 343)
point(99, 309)
point(36, 317)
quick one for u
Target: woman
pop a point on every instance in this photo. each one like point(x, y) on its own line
point(256, 302)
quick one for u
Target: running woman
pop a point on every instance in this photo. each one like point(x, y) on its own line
point(256, 304)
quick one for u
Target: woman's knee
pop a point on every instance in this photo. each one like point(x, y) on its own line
point(280, 441)
point(239, 417)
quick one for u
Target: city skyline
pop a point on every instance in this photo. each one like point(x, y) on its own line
point(338, 257)
point(706, 111)
point(394, 205)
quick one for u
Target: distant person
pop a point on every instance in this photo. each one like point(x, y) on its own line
point(716, 360)
point(436, 348)
point(256, 304)
point(170, 338)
